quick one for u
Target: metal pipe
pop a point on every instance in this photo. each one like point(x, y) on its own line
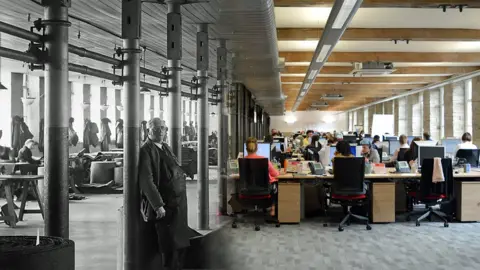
point(56, 119)
point(222, 127)
point(133, 248)
point(153, 73)
point(93, 72)
point(82, 52)
point(202, 153)
point(17, 55)
point(19, 32)
point(174, 55)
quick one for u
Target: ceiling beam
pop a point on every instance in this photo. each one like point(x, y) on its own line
point(401, 70)
point(380, 3)
point(413, 57)
point(366, 80)
point(383, 34)
point(358, 87)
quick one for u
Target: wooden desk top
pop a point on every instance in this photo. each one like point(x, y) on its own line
point(4, 177)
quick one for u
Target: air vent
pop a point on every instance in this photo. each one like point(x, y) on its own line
point(372, 69)
point(332, 97)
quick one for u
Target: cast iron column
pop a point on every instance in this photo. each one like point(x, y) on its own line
point(131, 32)
point(174, 55)
point(202, 74)
point(234, 124)
point(56, 118)
point(223, 126)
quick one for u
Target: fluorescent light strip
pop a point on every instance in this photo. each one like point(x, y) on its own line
point(343, 14)
point(312, 75)
point(323, 53)
point(306, 86)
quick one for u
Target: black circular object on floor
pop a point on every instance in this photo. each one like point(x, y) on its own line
point(21, 253)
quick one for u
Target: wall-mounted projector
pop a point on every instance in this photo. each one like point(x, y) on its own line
point(332, 97)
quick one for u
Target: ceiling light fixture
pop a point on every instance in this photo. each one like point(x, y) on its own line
point(306, 86)
point(344, 13)
point(332, 97)
point(312, 75)
point(323, 53)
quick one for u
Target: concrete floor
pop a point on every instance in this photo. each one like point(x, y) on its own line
point(94, 226)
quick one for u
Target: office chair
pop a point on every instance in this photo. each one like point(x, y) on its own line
point(401, 154)
point(348, 188)
point(380, 152)
point(471, 156)
point(254, 188)
point(433, 193)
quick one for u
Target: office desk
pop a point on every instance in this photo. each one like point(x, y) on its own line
point(382, 188)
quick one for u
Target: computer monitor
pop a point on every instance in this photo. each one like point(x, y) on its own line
point(393, 146)
point(390, 138)
point(263, 150)
point(430, 152)
point(410, 138)
point(422, 143)
point(333, 148)
point(278, 147)
point(450, 145)
point(350, 138)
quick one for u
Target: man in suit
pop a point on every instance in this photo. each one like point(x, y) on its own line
point(164, 198)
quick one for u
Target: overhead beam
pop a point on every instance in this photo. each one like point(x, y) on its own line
point(366, 80)
point(381, 3)
point(354, 87)
point(413, 57)
point(383, 34)
point(401, 70)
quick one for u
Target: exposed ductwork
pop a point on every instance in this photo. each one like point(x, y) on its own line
point(249, 27)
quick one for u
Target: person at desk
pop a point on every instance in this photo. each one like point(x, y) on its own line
point(376, 143)
point(313, 149)
point(252, 147)
point(369, 153)
point(410, 155)
point(466, 143)
point(342, 150)
point(308, 138)
point(426, 136)
point(403, 145)
point(25, 154)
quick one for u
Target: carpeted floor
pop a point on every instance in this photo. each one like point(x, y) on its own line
point(387, 246)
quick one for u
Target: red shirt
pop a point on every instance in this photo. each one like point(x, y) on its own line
point(272, 172)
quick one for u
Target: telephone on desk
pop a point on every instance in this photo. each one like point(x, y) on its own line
point(316, 168)
point(402, 167)
point(233, 166)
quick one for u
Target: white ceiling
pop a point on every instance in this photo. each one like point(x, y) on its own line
point(396, 64)
point(298, 17)
point(385, 46)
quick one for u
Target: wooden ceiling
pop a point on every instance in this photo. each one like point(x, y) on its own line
point(431, 55)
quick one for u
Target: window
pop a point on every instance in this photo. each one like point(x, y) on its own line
point(468, 107)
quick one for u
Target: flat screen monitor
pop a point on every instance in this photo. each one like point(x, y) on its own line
point(410, 138)
point(393, 146)
point(263, 150)
point(450, 145)
point(430, 152)
point(278, 147)
point(333, 148)
point(390, 138)
point(350, 138)
point(422, 143)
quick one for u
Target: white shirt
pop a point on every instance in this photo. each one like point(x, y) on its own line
point(465, 145)
point(159, 145)
point(395, 155)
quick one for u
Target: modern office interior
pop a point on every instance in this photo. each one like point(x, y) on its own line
point(335, 134)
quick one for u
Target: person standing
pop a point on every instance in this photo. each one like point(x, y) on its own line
point(164, 197)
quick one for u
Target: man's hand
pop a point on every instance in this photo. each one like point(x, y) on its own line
point(160, 212)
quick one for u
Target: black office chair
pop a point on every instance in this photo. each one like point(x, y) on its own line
point(433, 193)
point(254, 189)
point(470, 156)
point(401, 154)
point(348, 188)
point(380, 152)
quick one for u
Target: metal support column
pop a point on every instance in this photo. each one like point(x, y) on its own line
point(131, 32)
point(223, 126)
point(174, 56)
point(234, 122)
point(203, 116)
point(56, 118)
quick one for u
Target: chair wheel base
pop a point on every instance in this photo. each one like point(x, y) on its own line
point(277, 225)
point(340, 229)
point(417, 224)
point(234, 225)
point(369, 227)
point(257, 228)
point(445, 225)
point(325, 225)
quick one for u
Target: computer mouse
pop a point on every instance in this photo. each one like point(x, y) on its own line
point(456, 172)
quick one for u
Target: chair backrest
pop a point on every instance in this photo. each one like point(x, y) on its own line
point(470, 155)
point(401, 154)
point(311, 154)
point(380, 153)
point(427, 187)
point(253, 174)
point(348, 175)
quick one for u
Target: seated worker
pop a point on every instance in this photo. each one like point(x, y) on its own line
point(376, 143)
point(25, 154)
point(426, 136)
point(342, 150)
point(312, 150)
point(403, 145)
point(369, 152)
point(466, 143)
point(252, 148)
point(308, 138)
point(410, 155)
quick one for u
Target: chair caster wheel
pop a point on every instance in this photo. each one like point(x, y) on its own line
point(417, 224)
point(277, 225)
point(257, 228)
point(445, 225)
point(325, 225)
point(234, 225)
point(340, 229)
point(408, 219)
point(369, 227)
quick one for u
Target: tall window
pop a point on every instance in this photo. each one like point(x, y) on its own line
point(458, 109)
point(417, 120)
point(95, 104)
point(77, 108)
point(468, 107)
point(435, 112)
point(5, 108)
point(402, 116)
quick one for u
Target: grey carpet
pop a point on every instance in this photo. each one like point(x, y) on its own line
point(388, 246)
